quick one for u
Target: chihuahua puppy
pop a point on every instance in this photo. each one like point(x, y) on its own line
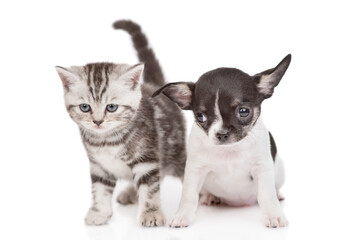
point(232, 157)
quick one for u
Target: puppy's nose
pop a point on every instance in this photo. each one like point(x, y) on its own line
point(222, 135)
point(98, 122)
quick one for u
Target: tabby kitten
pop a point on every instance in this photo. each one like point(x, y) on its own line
point(126, 133)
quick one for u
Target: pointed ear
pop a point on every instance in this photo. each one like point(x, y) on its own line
point(180, 92)
point(133, 75)
point(266, 81)
point(67, 77)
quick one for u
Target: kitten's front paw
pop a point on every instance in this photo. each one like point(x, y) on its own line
point(95, 217)
point(275, 221)
point(152, 218)
point(181, 220)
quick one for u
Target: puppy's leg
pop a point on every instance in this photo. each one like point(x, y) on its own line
point(268, 200)
point(147, 180)
point(279, 176)
point(101, 209)
point(194, 179)
point(128, 195)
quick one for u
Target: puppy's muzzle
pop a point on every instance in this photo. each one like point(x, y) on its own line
point(222, 135)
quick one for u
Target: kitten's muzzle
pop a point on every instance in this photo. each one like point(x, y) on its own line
point(222, 135)
point(98, 122)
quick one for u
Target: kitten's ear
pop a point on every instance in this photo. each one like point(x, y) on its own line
point(133, 75)
point(67, 76)
point(266, 81)
point(180, 92)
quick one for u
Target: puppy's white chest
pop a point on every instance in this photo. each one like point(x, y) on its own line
point(231, 178)
point(108, 158)
point(230, 168)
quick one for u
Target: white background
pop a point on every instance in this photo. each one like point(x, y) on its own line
point(44, 172)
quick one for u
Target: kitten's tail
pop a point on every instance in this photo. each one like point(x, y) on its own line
point(152, 69)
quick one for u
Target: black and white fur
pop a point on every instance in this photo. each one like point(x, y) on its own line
point(127, 134)
point(232, 157)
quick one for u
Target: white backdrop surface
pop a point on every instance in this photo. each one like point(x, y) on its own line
point(44, 171)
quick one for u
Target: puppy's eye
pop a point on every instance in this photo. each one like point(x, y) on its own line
point(201, 117)
point(112, 107)
point(244, 112)
point(84, 107)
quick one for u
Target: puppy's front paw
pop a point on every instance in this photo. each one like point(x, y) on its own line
point(152, 218)
point(181, 220)
point(96, 217)
point(275, 221)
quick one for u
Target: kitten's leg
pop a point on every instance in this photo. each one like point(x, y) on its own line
point(128, 195)
point(147, 180)
point(100, 211)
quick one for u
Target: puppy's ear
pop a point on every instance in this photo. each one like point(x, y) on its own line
point(180, 92)
point(266, 81)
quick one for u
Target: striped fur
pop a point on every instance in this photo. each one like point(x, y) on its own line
point(142, 141)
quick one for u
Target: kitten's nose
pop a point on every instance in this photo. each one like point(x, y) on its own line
point(98, 122)
point(222, 135)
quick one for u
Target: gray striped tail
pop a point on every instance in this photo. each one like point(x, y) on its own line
point(152, 69)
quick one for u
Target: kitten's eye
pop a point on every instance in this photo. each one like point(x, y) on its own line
point(201, 117)
point(244, 112)
point(112, 107)
point(85, 107)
